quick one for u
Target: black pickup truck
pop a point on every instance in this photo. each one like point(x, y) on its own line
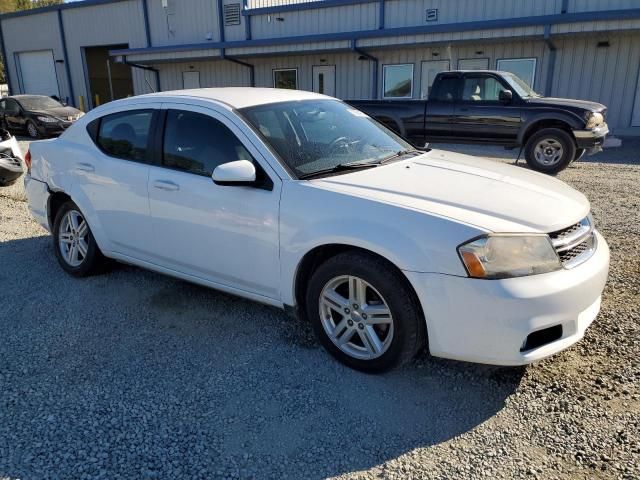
point(496, 108)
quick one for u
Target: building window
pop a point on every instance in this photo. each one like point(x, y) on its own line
point(286, 78)
point(525, 68)
point(397, 81)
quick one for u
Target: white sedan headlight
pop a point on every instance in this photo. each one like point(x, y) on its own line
point(594, 120)
point(506, 256)
point(47, 119)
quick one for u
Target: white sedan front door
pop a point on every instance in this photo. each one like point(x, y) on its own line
point(223, 234)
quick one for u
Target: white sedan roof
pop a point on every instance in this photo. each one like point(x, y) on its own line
point(241, 97)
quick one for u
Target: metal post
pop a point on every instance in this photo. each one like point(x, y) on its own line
point(109, 77)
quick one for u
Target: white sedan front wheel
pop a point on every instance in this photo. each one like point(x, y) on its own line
point(365, 312)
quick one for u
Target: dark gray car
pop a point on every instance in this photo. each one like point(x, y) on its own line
point(36, 115)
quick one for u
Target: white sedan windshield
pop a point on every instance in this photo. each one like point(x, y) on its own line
point(317, 135)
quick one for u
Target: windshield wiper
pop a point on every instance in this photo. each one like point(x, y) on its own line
point(338, 168)
point(399, 154)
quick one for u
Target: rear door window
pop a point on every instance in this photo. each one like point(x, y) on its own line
point(125, 135)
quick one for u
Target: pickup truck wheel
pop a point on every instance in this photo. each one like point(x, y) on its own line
point(74, 245)
point(364, 313)
point(550, 150)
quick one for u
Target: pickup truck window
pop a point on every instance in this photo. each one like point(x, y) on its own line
point(520, 86)
point(446, 89)
point(321, 134)
point(481, 89)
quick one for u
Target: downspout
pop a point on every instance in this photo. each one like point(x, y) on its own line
point(381, 15)
point(552, 59)
point(222, 50)
point(252, 81)
point(66, 58)
point(144, 67)
point(5, 64)
point(354, 47)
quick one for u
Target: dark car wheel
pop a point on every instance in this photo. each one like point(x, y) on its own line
point(550, 150)
point(32, 130)
point(364, 312)
point(73, 242)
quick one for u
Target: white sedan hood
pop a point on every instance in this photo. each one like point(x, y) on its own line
point(487, 194)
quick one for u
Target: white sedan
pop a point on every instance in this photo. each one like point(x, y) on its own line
point(297, 200)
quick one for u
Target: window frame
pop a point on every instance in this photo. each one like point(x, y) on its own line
point(535, 67)
point(263, 177)
point(384, 80)
point(93, 129)
point(481, 74)
point(273, 77)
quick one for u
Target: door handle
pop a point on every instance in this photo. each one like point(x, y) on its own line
point(166, 185)
point(85, 167)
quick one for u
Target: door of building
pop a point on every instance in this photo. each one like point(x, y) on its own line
point(324, 79)
point(38, 73)
point(473, 64)
point(430, 68)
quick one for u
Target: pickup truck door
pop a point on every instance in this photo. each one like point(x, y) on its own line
point(441, 107)
point(227, 235)
point(480, 116)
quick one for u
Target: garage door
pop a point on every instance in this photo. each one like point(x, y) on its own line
point(38, 73)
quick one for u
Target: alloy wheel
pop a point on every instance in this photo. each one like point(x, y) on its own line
point(548, 151)
point(73, 238)
point(32, 130)
point(356, 317)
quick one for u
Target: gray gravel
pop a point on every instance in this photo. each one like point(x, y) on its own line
point(134, 375)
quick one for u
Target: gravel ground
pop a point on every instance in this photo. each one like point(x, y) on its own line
point(134, 375)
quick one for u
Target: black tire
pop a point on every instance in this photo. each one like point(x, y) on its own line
point(90, 263)
point(556, 140)
point(408, 323)
point(32, 130)
point(579, 154)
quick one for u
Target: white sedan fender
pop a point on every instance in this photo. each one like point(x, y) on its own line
point(311, 217)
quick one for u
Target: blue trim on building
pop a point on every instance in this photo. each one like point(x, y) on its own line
point(220, 21)
point(247, 20)
point(65, 54)
point(295, 7)
point(539, 20)
point(147, 28)
point(62, 6)
point(565, 6)
point(5, 64)
point(381, 15)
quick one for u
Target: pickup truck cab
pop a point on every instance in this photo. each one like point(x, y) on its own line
point(496, 108)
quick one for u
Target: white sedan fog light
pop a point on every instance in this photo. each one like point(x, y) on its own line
point(505, 256)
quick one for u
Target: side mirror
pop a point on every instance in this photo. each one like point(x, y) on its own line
point(238, 173)
point(505, 96)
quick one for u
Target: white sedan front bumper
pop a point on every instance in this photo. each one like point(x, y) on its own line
point(488, 321)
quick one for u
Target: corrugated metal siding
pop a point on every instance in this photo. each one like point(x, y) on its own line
point(400, 13)
point(235, 32)
point(184, 21)
point(602, 25)
point(594, 5)
point(492, 51)
point(115, 23)
point(43, 34)
point(212, 74)
point(319, 20)
point(606, 75)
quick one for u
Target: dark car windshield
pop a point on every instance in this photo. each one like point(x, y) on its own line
point(520, 86)
point(317, 135)
point(37, 102)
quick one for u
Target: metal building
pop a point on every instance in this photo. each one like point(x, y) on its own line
point(92, 51)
